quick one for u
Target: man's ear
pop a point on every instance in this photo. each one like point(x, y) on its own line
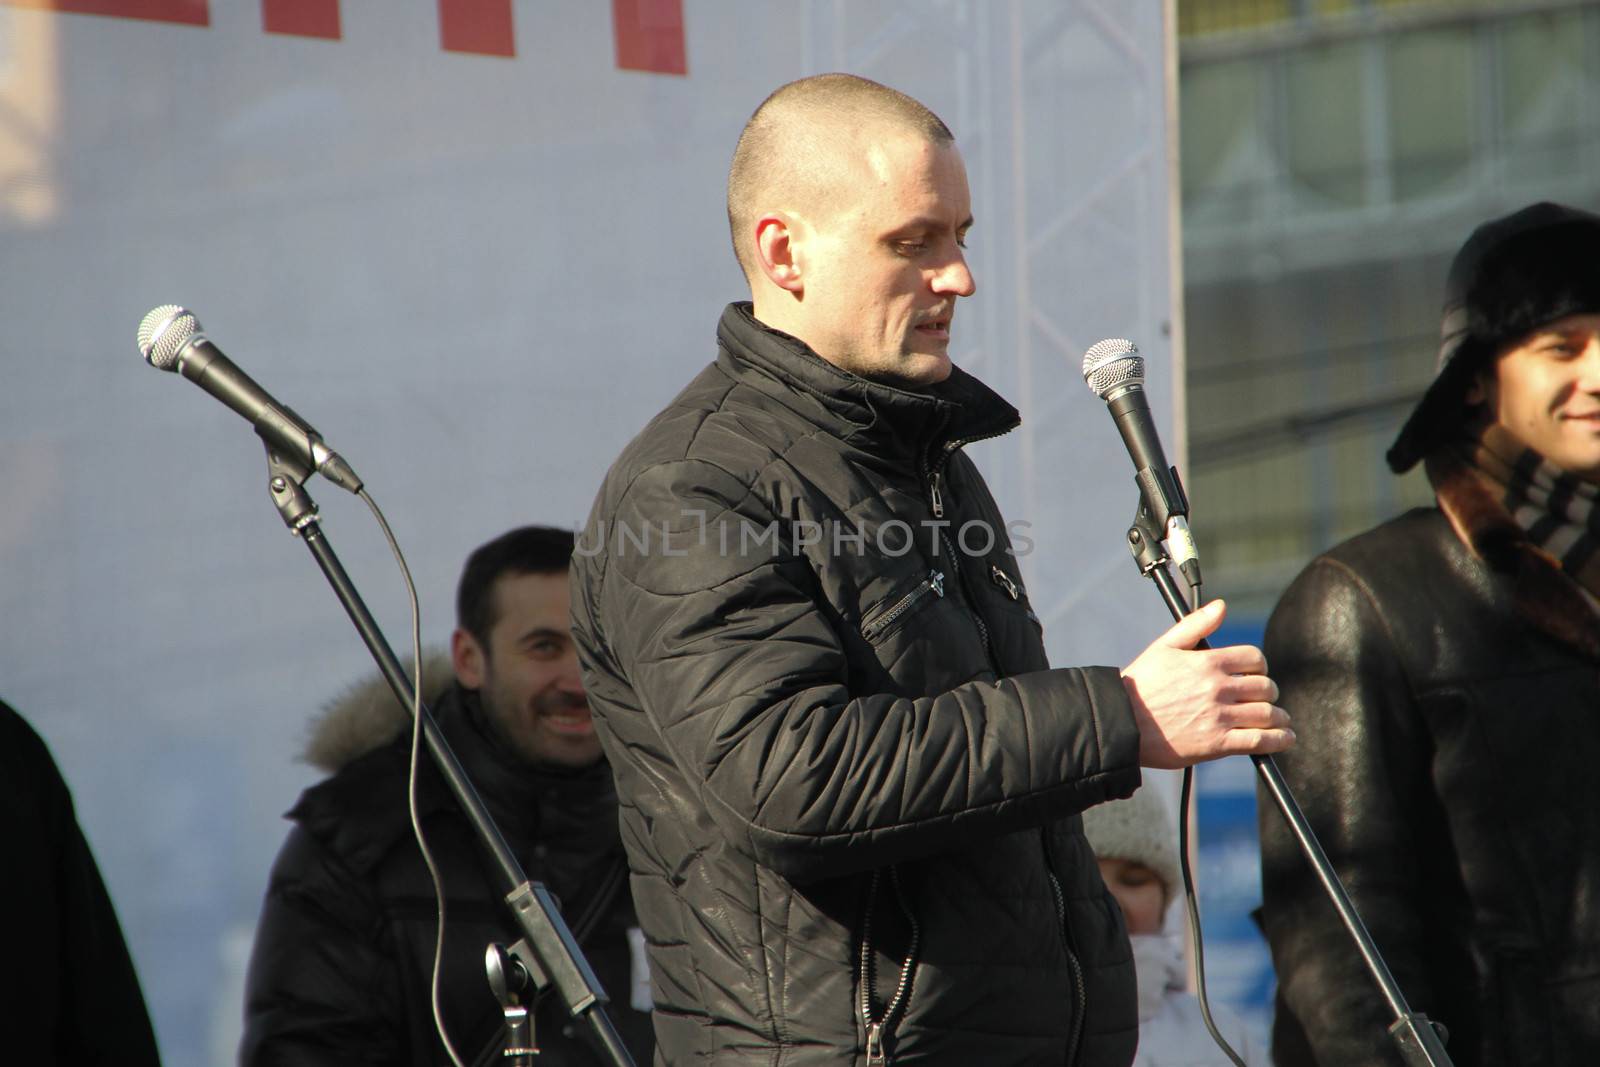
point(1480, 388)
point(467, 657)
point(777, 237)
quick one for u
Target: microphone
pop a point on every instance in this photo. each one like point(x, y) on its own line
point(170, 339)
point(1114, 371)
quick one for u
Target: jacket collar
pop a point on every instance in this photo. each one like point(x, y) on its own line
point(521, 796)
point(872, 415)
point(1542, 593)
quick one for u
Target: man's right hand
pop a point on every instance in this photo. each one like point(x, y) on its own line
point(1196, 705)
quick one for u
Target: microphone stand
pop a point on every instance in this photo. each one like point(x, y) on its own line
point(548, 951)
point(1418, 1038)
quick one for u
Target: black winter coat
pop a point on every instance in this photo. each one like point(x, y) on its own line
point(1448, 714)
point(344, 950)
point(68, 990)
point(849, 781)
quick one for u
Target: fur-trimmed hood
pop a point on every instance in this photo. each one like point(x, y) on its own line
point(1544, 595)
point(367, 716)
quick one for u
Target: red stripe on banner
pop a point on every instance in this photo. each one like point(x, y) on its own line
point(188, 12)
point(303, 18)
point(480, 26)
point(650, 35)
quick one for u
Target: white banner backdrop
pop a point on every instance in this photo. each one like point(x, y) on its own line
point(478, 275)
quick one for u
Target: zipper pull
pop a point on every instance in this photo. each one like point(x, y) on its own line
point(1003, 580)
point(936, 582)
point(876, 1057)
point(933, 493)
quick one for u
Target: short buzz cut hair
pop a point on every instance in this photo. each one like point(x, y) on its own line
point(817, 107)
point(525, 550)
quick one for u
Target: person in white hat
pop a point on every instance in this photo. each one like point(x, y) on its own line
point(1138, 852)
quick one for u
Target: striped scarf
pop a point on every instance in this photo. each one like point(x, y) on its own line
point(1559, 512)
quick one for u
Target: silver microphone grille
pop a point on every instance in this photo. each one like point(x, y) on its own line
point(164, 332)
point(1112, 363)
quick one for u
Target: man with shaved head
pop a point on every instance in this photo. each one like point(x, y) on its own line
point(850, 781)
point(833, 167)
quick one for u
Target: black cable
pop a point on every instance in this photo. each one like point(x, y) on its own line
point(411, 774)
point(1192, 903)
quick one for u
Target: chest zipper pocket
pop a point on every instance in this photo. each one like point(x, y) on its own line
point(877, 1029)
point(881, 624)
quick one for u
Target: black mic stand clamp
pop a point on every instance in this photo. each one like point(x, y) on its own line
point(511, 976)
point(286, 484)
point(547, 950)
point(1420, 1040)
point(1162, 492)
point(1163, 515)
point(1144, 541)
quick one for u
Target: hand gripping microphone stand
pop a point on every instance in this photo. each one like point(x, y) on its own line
point(1114, 372)
point(1418, 1039)
point(547, 955)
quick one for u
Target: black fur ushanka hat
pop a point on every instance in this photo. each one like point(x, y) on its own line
point(1514, 274)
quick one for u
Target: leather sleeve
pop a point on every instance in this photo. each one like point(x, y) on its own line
point(1360, 770)
point(320, 988)
point(746, 687)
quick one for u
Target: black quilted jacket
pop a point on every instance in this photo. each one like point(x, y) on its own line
point(849, 781)
point(344, 949)
point(1449, 742)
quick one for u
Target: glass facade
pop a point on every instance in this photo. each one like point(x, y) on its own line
point(1334, 155)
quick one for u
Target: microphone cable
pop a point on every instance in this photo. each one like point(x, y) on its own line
point(169, 339)
point(411, 774)
point(1114, 372)
point(1191, 900)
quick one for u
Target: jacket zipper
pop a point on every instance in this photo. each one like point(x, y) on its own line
point(1080, 996)
point(936, 470)
point(1003, 580)
point(936, 504)
point(933, 583)
point(971, 604)
point(1079, 991)
point(877, 1055)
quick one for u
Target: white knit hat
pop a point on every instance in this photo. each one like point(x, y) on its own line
point(1138, 829)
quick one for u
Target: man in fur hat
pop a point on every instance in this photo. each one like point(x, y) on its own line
point(344, 952)
point(1443, 671)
